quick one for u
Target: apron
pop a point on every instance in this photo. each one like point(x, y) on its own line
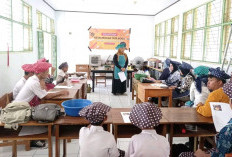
point(121, 62)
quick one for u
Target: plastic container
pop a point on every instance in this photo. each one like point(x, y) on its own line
point(138, 76)
point(73, 107)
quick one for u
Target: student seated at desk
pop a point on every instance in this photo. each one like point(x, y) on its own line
point(181, 92)
point(148, 143)
point(223, 139)
point(49, 80)
point(216, 79)
point(28, 72)
point(198, 90)
point(93, 140)
point(33, 87)
point(62, 75)
point(174, 77)
point(166, 72)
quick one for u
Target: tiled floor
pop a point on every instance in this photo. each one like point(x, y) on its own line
point(102, 94)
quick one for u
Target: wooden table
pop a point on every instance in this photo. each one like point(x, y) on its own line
point(78, 91)
point(146, 90)
point(97, 70)
point(177, 116)
point(126, 130)
point(10, 134)
point(67, 127)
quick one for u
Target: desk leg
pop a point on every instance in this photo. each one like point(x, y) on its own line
point(57, 141)
point(130, 82)
point(93, 81)
point(170, 101)
point(127, 80)
point(50, 140)
point(164, 131)
point(108, 127)
point(64, 148)
point(115, 132)
point(133, 94)
point(171, 135)
point(159, 102)
point(14, 148)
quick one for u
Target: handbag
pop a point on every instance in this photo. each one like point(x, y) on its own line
point(46, 112)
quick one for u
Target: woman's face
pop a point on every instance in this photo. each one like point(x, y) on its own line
point(171, 67)
point(65, 69)
point(122, 49)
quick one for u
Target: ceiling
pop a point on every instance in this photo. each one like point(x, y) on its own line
point(141, 7)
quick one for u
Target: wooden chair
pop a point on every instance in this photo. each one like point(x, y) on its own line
point(4, 100)
point(228, 155)
point(101, 76)
point(83, 68)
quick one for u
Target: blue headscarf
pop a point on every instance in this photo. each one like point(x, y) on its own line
point(121, 45)
point(218, 73)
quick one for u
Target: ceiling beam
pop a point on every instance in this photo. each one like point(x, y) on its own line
point(112, 13)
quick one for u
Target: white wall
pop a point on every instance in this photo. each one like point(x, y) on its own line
point(74, 48)
point(178, 9)
point(10, 75)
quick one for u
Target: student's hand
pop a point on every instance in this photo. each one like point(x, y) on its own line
point(172, 87)
point(158, 81)
point(200, 104)
point(53, 70)
point(66, 76)
point(200, 153)
point(123, 69)
point(42, 84)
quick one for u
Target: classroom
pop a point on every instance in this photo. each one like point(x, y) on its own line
point(115, 78)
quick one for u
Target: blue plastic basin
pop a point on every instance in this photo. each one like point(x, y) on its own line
point(72, 107)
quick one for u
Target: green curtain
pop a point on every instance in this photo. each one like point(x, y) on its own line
point(40, 44)
point(54, 52)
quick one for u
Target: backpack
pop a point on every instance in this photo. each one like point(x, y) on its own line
point(14, 114)
point(46, 112)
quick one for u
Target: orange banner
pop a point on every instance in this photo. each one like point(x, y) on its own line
point(108, 38)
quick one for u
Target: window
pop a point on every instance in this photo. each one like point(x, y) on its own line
point(16, 26)
point(47, 46)
point(202, 32)
point(166, 37)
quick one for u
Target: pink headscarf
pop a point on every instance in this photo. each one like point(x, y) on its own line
point(28, 67)
point(41, 67)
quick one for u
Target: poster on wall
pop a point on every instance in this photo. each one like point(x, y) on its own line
point(108, 39)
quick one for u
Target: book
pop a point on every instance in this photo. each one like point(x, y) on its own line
point(125, 116)
point(221, 113)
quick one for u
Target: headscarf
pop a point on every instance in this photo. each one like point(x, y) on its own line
point(41, 67)
point(28, 68)
point(65, 64)
point(95, 113)
point(145, 115)
point(227, 88)
point(218, 73)
point(175, 65)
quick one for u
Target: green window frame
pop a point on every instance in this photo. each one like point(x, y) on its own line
point(166, 38)
point(47, 40)
point(16, 26)
point(205, 31)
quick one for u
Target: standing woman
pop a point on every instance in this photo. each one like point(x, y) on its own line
point(120, 64)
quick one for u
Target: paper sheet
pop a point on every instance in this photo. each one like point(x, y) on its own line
point(64, 87)
point(125, 116)
point(32, 130)
point(52, 92)
point(160, 85)
point(122, 76)
point(221, 113)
